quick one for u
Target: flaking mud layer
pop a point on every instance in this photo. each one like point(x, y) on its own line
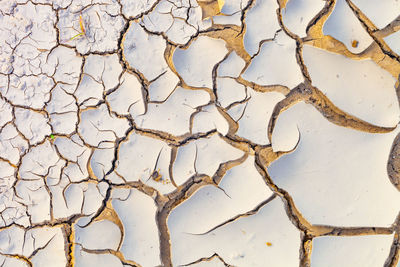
point(199, 133)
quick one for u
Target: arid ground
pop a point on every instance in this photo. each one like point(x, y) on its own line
point(199, 133)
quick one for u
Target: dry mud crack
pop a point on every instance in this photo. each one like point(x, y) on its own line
point(199, 133)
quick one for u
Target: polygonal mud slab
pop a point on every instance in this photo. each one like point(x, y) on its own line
point(348, 191)
point(334, 251)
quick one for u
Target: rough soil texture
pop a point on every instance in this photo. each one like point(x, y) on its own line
point(199, 133)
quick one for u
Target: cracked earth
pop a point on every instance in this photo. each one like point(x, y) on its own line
point(199, 133)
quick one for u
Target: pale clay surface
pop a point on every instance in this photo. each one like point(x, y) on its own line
point(199, 133)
